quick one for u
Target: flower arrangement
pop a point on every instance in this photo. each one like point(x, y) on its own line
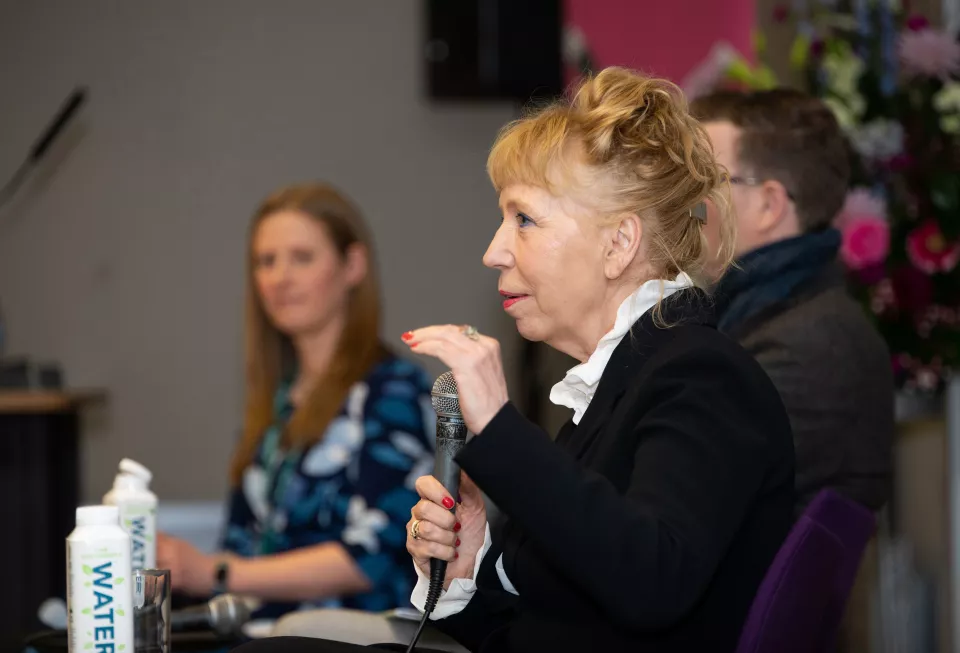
point(891, 79)
point(893, 82)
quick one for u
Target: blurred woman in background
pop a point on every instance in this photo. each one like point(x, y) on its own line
point(337, 428)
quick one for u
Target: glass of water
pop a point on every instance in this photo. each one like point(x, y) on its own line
point(151, 610)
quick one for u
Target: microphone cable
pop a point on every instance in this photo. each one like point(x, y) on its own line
point(438, 569)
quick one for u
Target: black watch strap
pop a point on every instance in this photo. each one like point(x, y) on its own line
point(221, 575)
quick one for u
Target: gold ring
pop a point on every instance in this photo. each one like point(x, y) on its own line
point(471, 332)
point(415, 529)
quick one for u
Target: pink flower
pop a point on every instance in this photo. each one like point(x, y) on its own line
point(896, 362)
point(917, 23)
point(900, 163)
point(707, 76)
point(916, 374)
point(861, 203)
point(929, 52)
point(929, 250)
point(936, 316)
point(866, 241)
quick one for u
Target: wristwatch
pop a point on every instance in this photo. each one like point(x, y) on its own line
point(221, 574)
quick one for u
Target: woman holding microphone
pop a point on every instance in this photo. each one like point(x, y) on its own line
point(648, 523)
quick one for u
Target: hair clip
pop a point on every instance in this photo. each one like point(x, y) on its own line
point(699, 212)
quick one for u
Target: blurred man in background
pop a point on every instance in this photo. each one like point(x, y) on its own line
point(786, 303)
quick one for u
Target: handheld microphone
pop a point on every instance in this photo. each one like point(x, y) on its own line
point(225, 615)
point(52, 613)
point(451, 436)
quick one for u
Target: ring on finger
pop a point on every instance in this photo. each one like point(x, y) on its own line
point(415, 529)
point(471, 332)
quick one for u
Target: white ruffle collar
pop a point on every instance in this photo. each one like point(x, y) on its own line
point(577, 388)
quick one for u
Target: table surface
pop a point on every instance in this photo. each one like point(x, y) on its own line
point(47, 401)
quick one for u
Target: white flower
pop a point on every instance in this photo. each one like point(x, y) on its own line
point(947, 99)
point(342, 440)
point(857, 104)
point(927, 379)
point(423, 459)
point(879, 139)
point(950, 124)
point(255, 491)
point(363, 524)
point(422, 467)
point(845, 117)
point(356, 399)
point(339, 445)
point(843, 70)
point(861, 202)
point(947, 102)
point(406, 444)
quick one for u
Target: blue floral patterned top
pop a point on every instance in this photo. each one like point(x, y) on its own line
point(355, 486)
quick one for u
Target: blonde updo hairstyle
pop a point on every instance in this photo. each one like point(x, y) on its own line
point(626, 144)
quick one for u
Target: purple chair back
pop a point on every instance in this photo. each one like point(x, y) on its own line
point(800, 603)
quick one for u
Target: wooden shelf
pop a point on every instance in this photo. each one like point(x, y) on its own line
point(47, 401)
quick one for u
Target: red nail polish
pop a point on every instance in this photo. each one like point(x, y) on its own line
point(458, 542)
point(447, 503)
point(456, 555)
point(456, 529)
point(407, 335)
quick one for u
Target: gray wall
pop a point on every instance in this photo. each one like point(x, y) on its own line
point(123, 260)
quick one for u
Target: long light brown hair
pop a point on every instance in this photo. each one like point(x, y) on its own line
point(270, 354)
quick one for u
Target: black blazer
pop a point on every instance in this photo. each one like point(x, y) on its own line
point(650, 525)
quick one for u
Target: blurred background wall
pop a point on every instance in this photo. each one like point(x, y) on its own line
point(126, 263)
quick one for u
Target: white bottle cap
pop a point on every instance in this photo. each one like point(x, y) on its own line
point(134, 468)
point(98, 516)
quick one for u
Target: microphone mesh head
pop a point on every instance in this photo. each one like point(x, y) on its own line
point(228, 614)
point(445, 397)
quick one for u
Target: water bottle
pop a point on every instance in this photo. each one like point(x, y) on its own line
point(99, 595)
point(138, 511)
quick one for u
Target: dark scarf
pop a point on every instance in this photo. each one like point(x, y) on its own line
point(771, 275)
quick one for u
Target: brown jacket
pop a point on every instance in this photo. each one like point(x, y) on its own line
point(833, 372)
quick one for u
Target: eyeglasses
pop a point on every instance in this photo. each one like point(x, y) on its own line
point(755, 181)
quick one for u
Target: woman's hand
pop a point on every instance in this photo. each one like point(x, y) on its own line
point(443, 535)
point(190, 570)
point(476, 365)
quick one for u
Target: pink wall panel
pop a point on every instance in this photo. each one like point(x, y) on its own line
point(662, 37)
